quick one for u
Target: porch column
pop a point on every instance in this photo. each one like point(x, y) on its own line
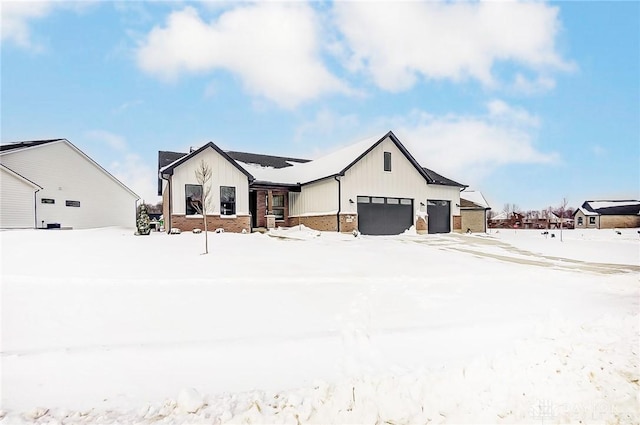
point(269, 202)
point(271, 218)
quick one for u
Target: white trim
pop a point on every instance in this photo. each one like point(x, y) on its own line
point(20, 177)
point(84, 155)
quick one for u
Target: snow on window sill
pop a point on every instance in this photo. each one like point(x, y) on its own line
point(228, 216)
point(193, 216)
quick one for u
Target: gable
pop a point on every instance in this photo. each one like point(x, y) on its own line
point(20, 178)
point(49, 160)
point(169, 169)
point(224, 173)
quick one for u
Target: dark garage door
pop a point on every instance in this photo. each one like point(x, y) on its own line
point(384, 216)
point(439, 216)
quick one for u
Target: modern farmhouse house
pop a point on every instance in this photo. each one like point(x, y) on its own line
point(375, 186)
point(53, 184)
point(607, 214)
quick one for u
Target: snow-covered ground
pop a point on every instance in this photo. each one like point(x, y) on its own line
point(100, 326)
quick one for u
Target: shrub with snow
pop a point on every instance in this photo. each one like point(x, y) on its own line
point(142, 222)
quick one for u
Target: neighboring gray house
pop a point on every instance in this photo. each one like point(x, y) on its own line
point(52, 183)
point(607, 214)
point(375, 186)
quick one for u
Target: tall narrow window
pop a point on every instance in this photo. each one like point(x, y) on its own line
point(193, 199)
point(227, 200)
point(278, 206)
point(387, 161)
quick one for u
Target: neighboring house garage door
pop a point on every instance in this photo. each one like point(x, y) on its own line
point(384, 216)
point(439, 216)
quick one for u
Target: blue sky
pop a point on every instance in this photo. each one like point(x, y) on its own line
point(527, 102)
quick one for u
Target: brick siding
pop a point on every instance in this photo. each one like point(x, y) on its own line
point(622, 221)
point(474, 220)
point(457, 222)
point(236, 225)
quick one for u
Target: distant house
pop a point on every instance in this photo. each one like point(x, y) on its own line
point(52, 183)
point(503, 220)
point(473, 211)
point(375, 186)
point(607, 214)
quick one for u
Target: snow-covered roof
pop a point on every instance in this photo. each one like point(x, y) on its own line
point(328, 165)
point(476, 197)
point(294, 171)
point(587, 212)
point(611, 207)
point(325, 166)
point(596, 205)
point(500, 216)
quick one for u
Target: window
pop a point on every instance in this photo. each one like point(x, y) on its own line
point(363, 199)
point(387, 161)
point(405, 201)
point(72, 203)
point(278, 206)
point(592, 220)
point(48, 201)
point(227, 200)
point(377, 200)
point(193, 199)
point(579, 221)
point(393, 201)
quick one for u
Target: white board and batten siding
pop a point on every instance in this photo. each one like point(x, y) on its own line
point(68, 176)
point(18, 199)
point(445, 193)
point(368, 178)
point(318, 198)
point(224, 173)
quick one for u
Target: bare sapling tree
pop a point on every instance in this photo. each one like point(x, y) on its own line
point(203, 176)
point(562, 210)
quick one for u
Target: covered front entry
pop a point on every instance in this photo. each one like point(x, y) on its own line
point(439, 216)
point(384, 216)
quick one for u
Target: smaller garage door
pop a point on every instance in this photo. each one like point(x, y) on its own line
point(384, 216)
point(439, 216)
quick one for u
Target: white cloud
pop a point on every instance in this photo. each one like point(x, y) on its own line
point(15, 19)
point(17, 15)
point(512, 115)
point(114, 141)
point(398, 42)
point(137, 175)
point(540, 84)
point(469, 148)
point(325, 122)
point(273, 47)
point(129, 167)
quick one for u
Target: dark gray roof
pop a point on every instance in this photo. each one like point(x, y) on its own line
point(626, 207)
point(167, 157)
point(25, 144)
point(440, 179)
point(265, 160)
